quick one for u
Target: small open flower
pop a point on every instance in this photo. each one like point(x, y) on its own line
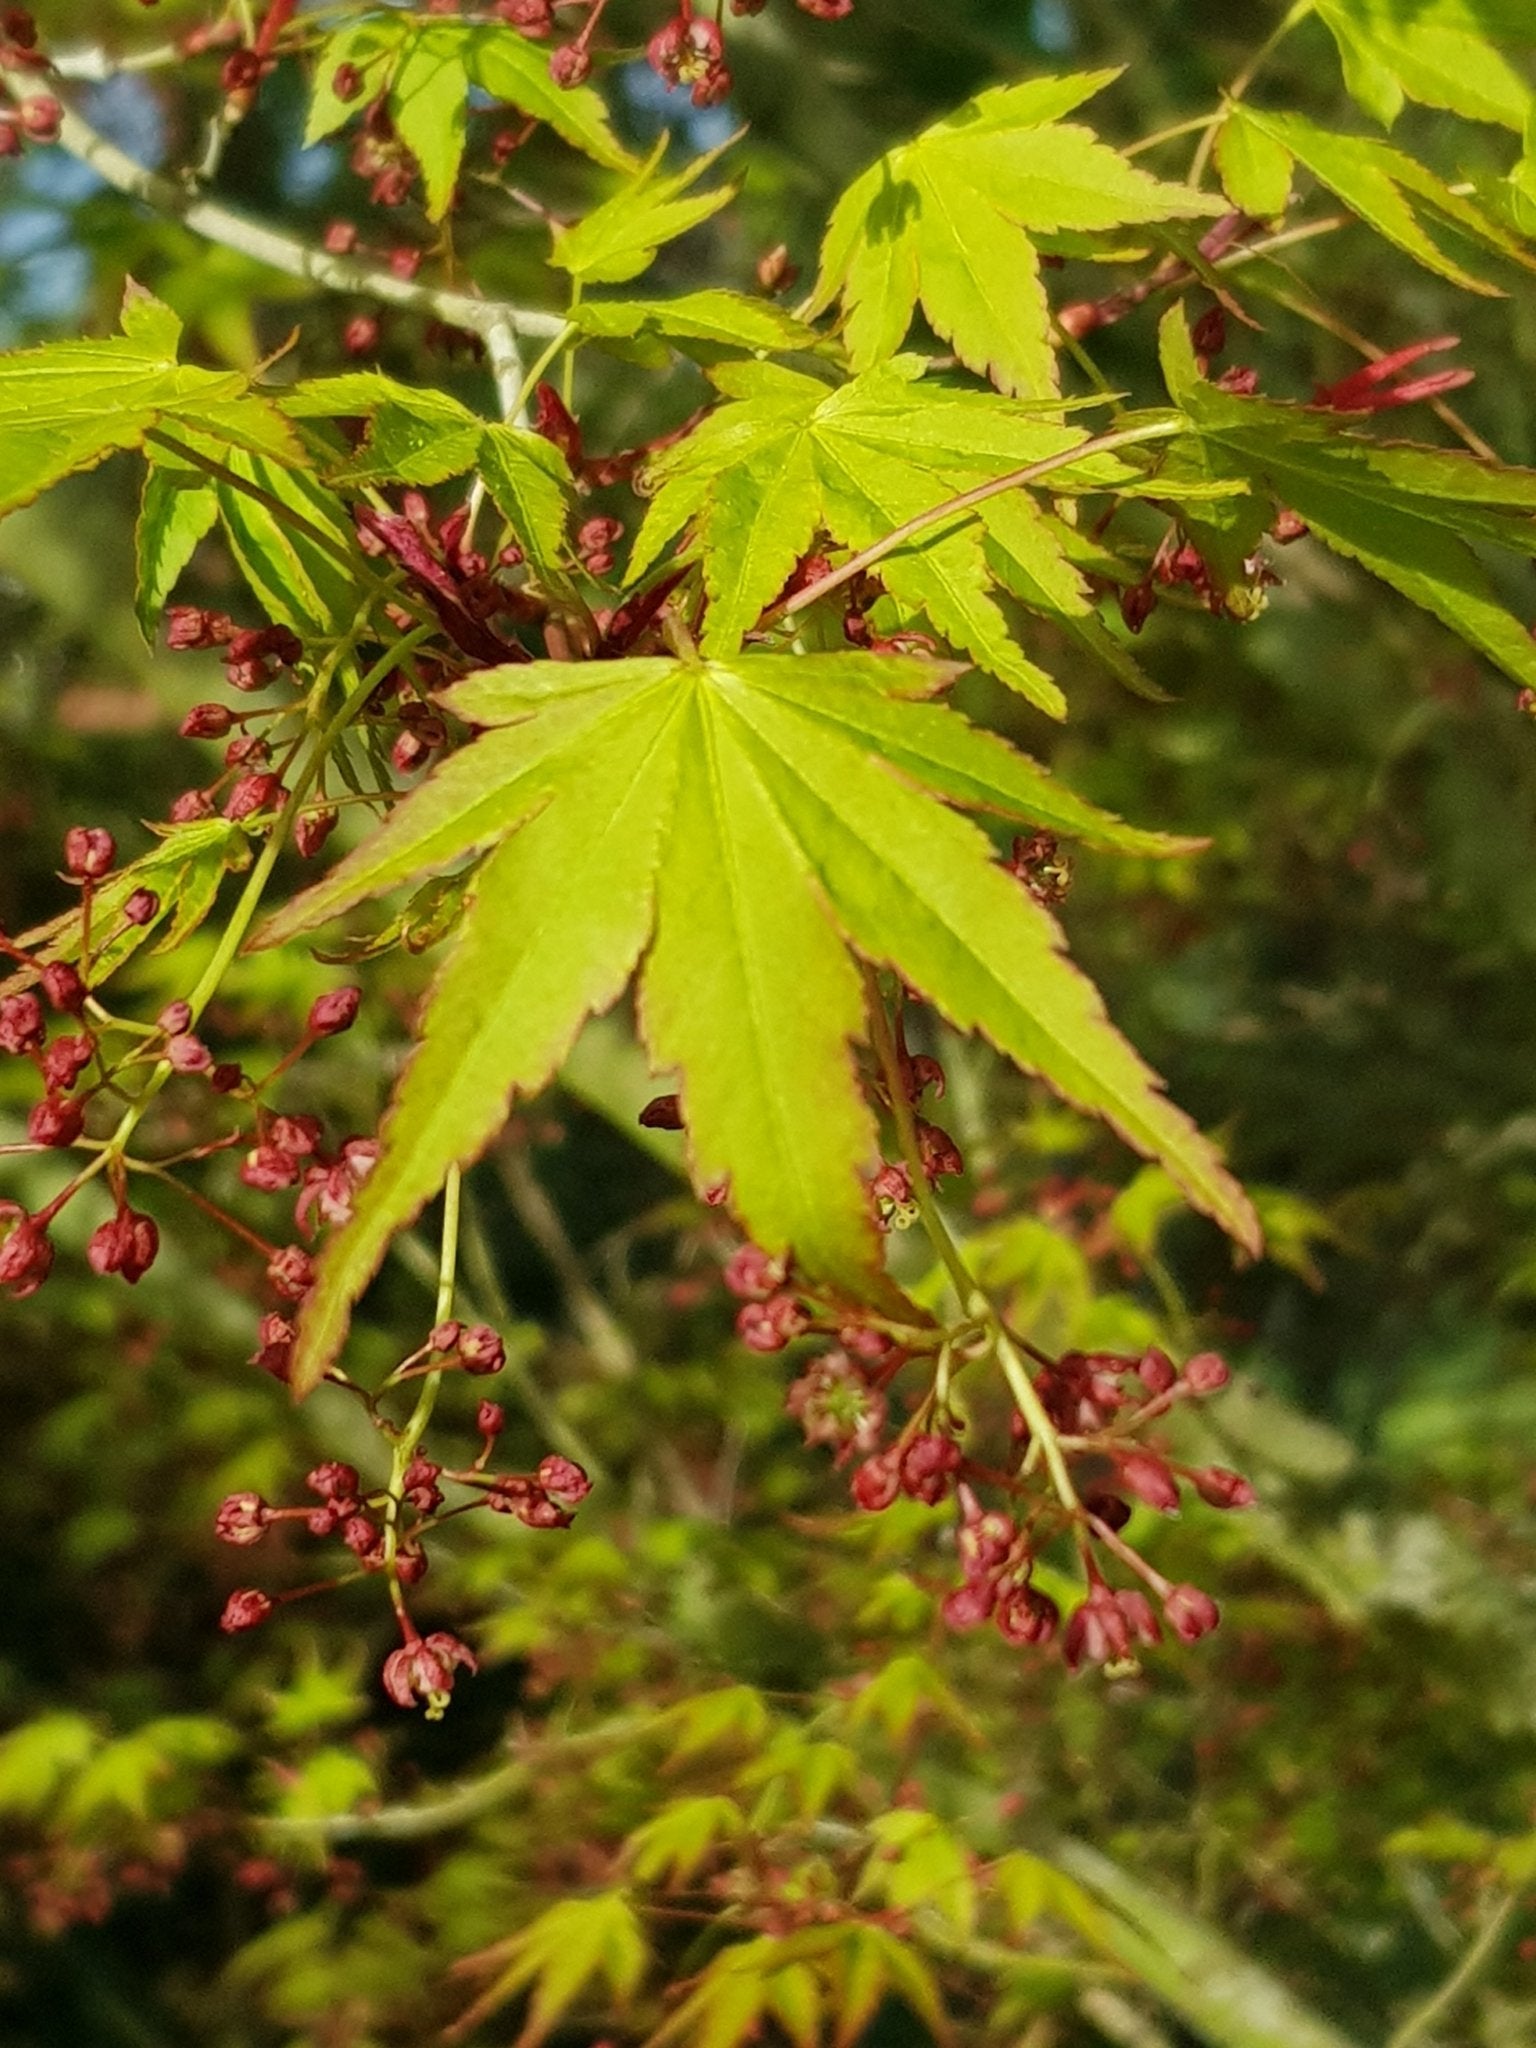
point(423, 1669)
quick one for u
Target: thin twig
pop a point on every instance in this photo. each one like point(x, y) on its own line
point(964, 501)
point(1480, 1954)
point(495, 322)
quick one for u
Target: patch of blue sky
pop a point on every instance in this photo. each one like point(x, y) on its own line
point(655, 110)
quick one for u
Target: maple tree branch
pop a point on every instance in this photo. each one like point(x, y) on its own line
point(964, 501)
point(495, 322)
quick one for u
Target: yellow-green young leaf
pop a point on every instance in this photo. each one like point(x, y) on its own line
point(330, 1780)
point(183, 871)
point(531, 486)
point(1255, 169)
point(673, 1845)
point(785, 806)
point(551, 933)
point(510, 67)
point(620, 238)
point(874, 1964)
point(748, 991)
point(799, 1775)
point(724, 2007)
point(917, 1863)
point(761, 475)
point(146, 1774)
point(427, 104)
point(875, 706)
point(1444, 53)
point(40, 1757)
point(414, 435)
point(305, 571)
point(370, 47)
point(177, 509)
point(1405, 513)
point(428, 66)
point(733, 1716)
point(723, 321)
point(914, 887)
point(905, 1693)
point(795, 2001)
point(1397, 196)
point(561, 1956)
point(67, 405)
point(952, 220)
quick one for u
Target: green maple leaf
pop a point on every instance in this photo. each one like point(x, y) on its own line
point(742, 829)
point(790, 456)
point(1396, 195)
point(427, 68)
point(1442, 52)
point(954, 221)
point(419, 436)
point(619, 239)
point(1408, 514)
point(67, 405)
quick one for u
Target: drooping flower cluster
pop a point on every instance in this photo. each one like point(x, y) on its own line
point(385, 1526)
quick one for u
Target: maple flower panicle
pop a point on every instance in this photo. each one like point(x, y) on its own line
point(1371, 389)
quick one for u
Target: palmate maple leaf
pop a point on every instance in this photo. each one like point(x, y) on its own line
point(738, 830)
point(789, 456)
point(952, 219)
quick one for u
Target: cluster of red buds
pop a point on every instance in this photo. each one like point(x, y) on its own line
point(385, 1527)
point(1098, 1407)
point(98, 1057)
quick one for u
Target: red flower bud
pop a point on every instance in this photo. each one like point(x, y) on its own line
point(252, 795)
point(570, 66)
point(40, 117)
point(333, 1012)
point(1220, 1488)
point(246, 1609)
point(333, 1480)
point(127, 1243)
point(1150, 1480)
point(89, 852)
point(751, 1275)
point(564, 1478)
point(207, 722)
point(55, 1121)
point(1190, 1613)
point(21, 1023)
point(63, 987)
point(360, 336)
point(267, 1170)
point(1024, 1616)
point(291, 1272)
point(1155, 1370)
point(26, 1257)
point(64, 1061)
point(312, 829)
point(1206, 1373)
point(481, 1351)
point(187, 1053)
point(875, 1483)
point(242, 1519)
